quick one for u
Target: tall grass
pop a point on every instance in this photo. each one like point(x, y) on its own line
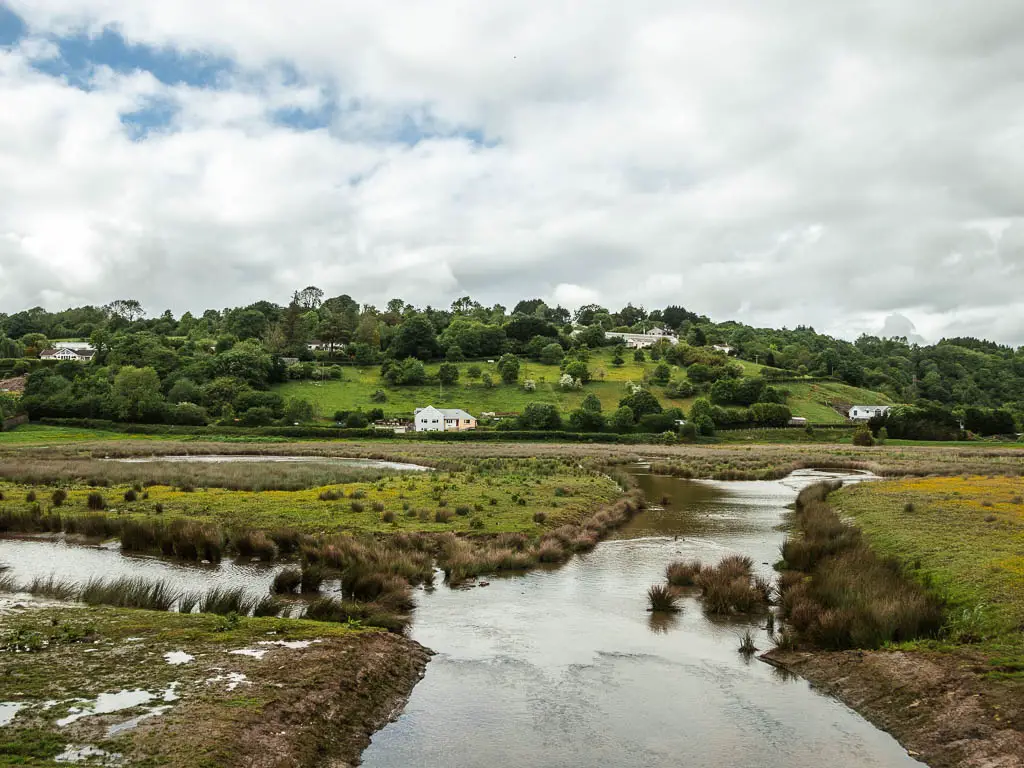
point(225, 600)
point(838, 593)
point(129, 592)
point(662, 599)
point(52, 587)
point(286, 581)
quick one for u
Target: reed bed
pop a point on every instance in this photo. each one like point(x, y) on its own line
point(129, 592)
point(662, 599)
point(838, 593)
point(234, 476)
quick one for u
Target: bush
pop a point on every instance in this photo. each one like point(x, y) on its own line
point(95, 501)
point(442, 516)
point(59, 497)
point(130, 495)
point(862, 436)
point(286, 581)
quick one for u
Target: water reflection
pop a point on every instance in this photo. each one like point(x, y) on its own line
point(567, 668)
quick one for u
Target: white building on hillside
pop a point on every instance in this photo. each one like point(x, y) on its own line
point(431, 419)
point(643, 340)
point(66, 353)
point(866, 412)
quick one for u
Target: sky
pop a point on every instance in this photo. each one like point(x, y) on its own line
point(851, 166)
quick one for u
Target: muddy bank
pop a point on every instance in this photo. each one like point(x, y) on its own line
point(129, 687)
point(940, 706)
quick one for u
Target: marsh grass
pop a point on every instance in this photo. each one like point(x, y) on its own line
point(683, 573)
point(845, 595)
point(268, 606)
point(226, 600)
point(129, 592)
point(662, 599)
point(8, 583)
point(234, 476)
point(747, 646)
point(310, 577)
point(353, 612)
point(52, 587)
point(286, 581)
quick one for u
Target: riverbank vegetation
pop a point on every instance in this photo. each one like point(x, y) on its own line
point(312, 690)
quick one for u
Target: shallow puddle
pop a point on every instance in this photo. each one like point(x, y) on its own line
point(566, 667)
point(8, 711)
point(109, 703)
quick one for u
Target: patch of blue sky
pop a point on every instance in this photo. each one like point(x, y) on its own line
point(12, 28)
point(157, 115)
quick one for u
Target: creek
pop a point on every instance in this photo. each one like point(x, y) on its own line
point(566, 668)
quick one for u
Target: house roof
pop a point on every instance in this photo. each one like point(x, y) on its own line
point(448, 413)
point(76, 352)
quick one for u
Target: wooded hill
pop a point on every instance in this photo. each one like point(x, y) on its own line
point(226, 363)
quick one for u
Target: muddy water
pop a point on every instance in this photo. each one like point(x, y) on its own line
point(29, 557)
point(566, 667)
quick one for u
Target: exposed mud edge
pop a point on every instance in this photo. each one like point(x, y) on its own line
point(936, 705)
point(352, 688)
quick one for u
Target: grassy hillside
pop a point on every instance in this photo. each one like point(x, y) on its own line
point(811, 400)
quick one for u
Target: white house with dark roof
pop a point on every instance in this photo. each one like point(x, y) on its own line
point(431, 419)
point(866, 412)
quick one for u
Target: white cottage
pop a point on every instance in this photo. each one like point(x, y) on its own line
point(866, 412)
point(431, 419)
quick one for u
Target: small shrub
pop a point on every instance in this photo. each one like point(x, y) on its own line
point(30, 497)
point(357, 506)
point(59, 497)
point(862, 437)
point(331, 495)
point(378, 506)
point(476, 523)
point(539, 517)
point(462, 510)
point(442, 516)
point(158, 508)
point(662, 599)
point(908, 507)
point(130, 495)
point(388, 517)
point(95, 501)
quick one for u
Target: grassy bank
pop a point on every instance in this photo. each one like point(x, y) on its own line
point(318, 697)
point(963, 538)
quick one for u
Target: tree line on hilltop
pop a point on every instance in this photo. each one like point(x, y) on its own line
point(220, 365)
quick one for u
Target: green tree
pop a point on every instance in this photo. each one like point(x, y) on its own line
point(448, 373)
point(454, 354)
point(188, 414)
point(137, 394)
point(623, 419)
point(592, 336)
point(508, 368)
point(662, 373)
point(639, 356)
point(474, 371)
point(591, 403)
point(641, 403)
point(298, 411)
point(585, 420)
point(415, 337)
point(578, 370)
point(552, 354)
point(540, 416)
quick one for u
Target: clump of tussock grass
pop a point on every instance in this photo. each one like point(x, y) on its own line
point(350, 611)
point(52, 587)
point(662, 599)
point(188, 601)
point(388, 517)
point(129, 592)
point(58, 497)
point(286, 581)
point(222, 601)
point(442, 515)
point(539, 517)
point(30, 497)
point(747, 646)
point(95, 501)
point(255, 544)
point(8, 583)
point(683, 573)
point(191, 540)
point(268, 606)
point(131, 495)
point(845, 596)
point(311, 577)
point(331, 495)
point(357, 506)
point(286, 539)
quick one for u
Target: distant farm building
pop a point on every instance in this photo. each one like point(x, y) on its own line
point(398, 426)
point(866, 412)
point(723, 348)
point(68, 353)
point(431, 419)
point(798, 421)
point(643, 340)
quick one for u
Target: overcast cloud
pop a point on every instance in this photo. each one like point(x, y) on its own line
point(778, 162)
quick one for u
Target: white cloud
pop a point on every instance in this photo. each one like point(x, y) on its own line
point(778, 162)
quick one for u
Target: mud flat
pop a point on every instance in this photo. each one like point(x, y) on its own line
point(108, 686)
point(935, 704)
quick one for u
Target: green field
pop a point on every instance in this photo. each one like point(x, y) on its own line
point(961, 536)
point(354, 391)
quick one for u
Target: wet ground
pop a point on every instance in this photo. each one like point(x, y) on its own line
point(269, 459)
point(567, 668)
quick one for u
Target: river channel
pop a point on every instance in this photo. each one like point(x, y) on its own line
point(566, 668)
